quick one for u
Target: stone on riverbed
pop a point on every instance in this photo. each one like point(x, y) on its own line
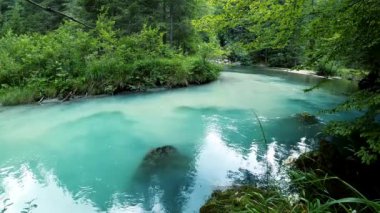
point(161, 160)
point(307, 118)
point(160, 155)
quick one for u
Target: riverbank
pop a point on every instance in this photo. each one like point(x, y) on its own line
point(347, 74)
point(141, 76)
point(213, 71)
point(301, 72)
point(69, 62)
point(86, 96)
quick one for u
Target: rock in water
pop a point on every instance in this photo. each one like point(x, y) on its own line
point(159, 156)
point(161, 160)
point(307, 119)
point(166, 169)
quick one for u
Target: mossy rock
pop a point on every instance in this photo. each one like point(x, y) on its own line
point(167, 170)
point(307, 118)
point(161, 160)
point(160, 155)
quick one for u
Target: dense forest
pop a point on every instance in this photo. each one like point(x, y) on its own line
point(65, 49)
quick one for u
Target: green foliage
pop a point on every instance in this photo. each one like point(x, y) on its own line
point(15, 96)
point(289, 33)
point(21, 17)
point(203, 71)
point(70, 61)
point(253, 199)
point(160, 72)
point(283, 58)
point(327, 68)
point(147, 43)
point(237, 52)
point(314, 191)
point(209, 50)
point(363, 133)
point(249, 199)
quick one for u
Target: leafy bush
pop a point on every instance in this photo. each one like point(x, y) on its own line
point(327, 68)
point(282, 59)
point(203, 72)
point(70, 61)
point(159, 72)
point(17, 95)
point(236, 52)
point(362, 133)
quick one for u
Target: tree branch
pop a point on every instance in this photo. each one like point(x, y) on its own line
point(51, 10)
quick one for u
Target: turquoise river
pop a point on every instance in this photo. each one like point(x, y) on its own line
point(82, 156)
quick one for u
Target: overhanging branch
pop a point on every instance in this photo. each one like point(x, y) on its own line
point(51, 10)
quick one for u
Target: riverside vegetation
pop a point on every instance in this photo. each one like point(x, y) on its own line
point(70, 61)
point(43, 56)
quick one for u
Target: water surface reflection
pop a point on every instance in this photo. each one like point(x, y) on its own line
point(218, 161)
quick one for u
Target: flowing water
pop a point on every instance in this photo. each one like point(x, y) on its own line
point(82, 156)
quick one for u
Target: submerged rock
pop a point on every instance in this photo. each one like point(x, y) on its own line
point(307, 118)
point(160, 157)
point(167, 170)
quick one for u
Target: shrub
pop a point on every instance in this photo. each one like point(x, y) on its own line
point(327, 68)
point(19, 95)
point(236, 52)
point(160, 72)
point(203, 71)
point(282, 59)
point(70, 61)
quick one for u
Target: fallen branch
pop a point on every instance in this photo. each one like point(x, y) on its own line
point(42, 99)
point(51, 10)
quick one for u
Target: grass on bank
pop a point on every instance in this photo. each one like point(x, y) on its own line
point(249, 198)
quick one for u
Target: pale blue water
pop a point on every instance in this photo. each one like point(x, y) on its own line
point(82, 156)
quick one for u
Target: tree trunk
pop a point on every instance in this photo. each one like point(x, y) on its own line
point(164, 15)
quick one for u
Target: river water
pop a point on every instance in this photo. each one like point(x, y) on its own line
point(82, 156)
